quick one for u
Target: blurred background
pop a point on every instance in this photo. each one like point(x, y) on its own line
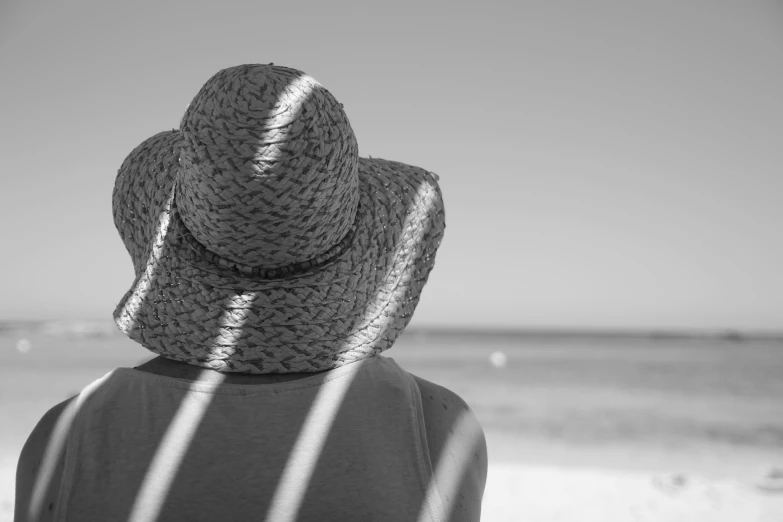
point(611, 174)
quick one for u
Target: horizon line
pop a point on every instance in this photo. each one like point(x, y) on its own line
point(731, 334)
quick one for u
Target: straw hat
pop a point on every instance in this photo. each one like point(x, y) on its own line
point(261, 241)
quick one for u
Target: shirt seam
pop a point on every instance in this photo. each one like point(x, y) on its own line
point(425, 469)
point(239, 389)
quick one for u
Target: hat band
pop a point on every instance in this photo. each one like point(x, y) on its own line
point(259, 272)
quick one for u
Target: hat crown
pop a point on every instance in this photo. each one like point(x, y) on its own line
point(268, 167)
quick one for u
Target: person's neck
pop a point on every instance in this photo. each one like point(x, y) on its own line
point(169, 368)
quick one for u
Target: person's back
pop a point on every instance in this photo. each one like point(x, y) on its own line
point(147, 446)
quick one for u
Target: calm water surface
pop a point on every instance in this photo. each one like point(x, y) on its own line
point(577, 391)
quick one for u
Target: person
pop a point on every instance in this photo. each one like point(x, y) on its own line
point(273, 266)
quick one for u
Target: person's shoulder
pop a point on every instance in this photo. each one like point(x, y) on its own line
point(458, 450)
point(448, 399)
point(33, 473)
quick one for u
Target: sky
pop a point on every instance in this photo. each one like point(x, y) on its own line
point(603, 164)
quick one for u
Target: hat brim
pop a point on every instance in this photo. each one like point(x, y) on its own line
point(185, 307)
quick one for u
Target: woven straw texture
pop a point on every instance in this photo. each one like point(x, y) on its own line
point(261, 241)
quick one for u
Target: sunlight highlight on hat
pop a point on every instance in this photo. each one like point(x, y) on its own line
point(173, 447)
point(293, 483)
point(452, 467)
point(132, 305)
point(421, 205)
point(287, 108)
point(55, 448)
point(235, 310)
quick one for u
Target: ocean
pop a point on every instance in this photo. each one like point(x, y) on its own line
point(530, 393)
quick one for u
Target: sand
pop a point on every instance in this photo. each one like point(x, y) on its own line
point(7, 479)
point(547, 493)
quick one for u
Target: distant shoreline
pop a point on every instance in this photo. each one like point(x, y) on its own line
point(104, 328)
point(585, 333)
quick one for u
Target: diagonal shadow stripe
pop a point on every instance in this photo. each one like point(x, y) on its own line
point(173, 447)
point(292, 486)
point(55, 448)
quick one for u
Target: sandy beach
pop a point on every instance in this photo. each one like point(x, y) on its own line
point(539, 493)
point(543, 481)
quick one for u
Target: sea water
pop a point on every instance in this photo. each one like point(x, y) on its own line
point(595, 392)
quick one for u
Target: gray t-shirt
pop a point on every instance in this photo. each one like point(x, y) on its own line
point(348, 444)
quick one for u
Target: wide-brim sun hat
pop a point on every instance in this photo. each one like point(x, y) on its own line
point(261, 241)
